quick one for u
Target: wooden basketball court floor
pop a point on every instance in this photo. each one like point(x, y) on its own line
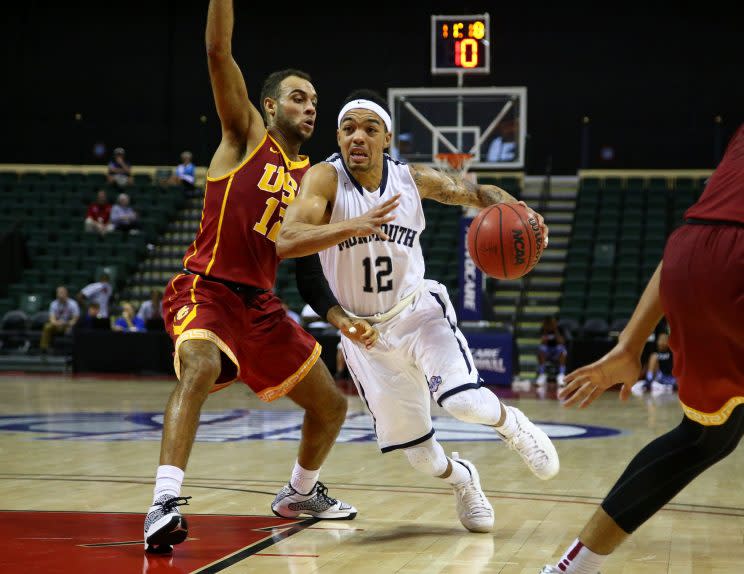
point(79, 454)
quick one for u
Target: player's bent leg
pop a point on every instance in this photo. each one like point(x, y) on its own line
point(668, 464)
point(325, 412)
point(481, 406)
point(200, 367)
point(473, 508)
point(478, 406)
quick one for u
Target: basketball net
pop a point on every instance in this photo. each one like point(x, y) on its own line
point(455, 163)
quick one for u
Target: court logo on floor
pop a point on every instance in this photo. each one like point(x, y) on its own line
point(240, 424)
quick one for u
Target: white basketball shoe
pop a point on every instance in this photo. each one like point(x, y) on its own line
point(473, 508)
point(534, 446)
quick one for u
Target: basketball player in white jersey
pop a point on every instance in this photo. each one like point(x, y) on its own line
point(362, 211)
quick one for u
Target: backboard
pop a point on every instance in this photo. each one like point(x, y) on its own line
point(489, 123)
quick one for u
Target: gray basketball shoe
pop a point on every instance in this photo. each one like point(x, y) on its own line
point(164, 525)
point(552, 570)
point(290, 504)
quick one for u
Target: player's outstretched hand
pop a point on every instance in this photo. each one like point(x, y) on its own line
point(584, 385)
point(540, 222)
point(360, 331)
point(371, 222)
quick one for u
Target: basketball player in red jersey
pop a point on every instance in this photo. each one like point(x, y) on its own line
point(224, 320)
point(699, 288)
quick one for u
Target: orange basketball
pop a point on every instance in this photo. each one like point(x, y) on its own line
point(505, 241)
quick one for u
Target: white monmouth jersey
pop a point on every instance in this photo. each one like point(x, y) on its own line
point(366, 274)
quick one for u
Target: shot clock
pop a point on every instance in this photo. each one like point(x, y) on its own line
point(460, 44)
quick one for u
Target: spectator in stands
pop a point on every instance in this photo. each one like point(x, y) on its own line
point(659, 378)
point(63, 314)
point(99, 293)
point(152, 308)
point(98, 217)
point(503, 148)
point(404, 149)
point(552, 348)
point(129, 322)
point(123, 216)
point(185, 173)
point(90, 320)
point(119, 170)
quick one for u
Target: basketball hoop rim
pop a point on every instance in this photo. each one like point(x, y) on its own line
point(455, 160)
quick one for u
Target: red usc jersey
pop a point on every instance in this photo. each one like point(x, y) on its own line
point(242, 215)
point(723, 198)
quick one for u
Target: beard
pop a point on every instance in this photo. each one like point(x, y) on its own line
point(292, 129)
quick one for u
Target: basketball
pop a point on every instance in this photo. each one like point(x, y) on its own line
point(505, 241)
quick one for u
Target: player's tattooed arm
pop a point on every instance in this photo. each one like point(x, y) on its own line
point(454, 190)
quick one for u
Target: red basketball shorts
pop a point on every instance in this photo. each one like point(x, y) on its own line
point(261, 345)
point(702, 292)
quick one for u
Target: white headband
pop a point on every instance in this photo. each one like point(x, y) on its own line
point(367, 105)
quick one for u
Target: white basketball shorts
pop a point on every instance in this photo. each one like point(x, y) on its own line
point(420, 354)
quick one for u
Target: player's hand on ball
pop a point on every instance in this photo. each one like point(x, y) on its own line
point(360, 331)
point(540, 222)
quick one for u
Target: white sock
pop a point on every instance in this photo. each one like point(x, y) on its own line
point(509, 426)
point(168, 480)
point(578, 559)
point(459, 474)
point(303, 480)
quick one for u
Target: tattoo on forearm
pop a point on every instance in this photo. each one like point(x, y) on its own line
point(452, 190)
point(489, 195)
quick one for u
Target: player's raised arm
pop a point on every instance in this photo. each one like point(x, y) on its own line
point(306, 230)
point(241, 121)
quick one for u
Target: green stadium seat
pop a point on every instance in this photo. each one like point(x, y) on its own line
point(657, 185)
point(599, 309)
point(635, 185)
point(30, 303)
point(604, 254)
point(592, 184)
point(613, 185)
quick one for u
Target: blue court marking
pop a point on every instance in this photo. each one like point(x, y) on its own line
point(240, 425)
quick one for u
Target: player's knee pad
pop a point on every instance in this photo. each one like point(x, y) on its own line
point(478, 406)
point(428, 457)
